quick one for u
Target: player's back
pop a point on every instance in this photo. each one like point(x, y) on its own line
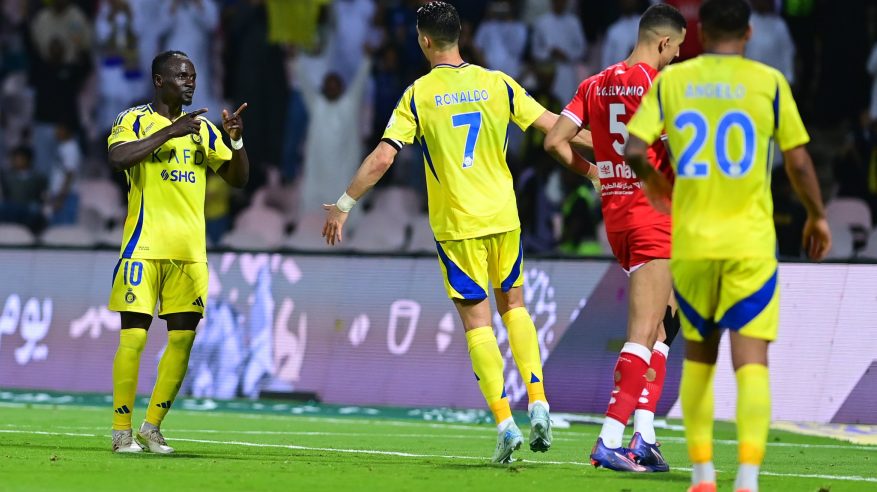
point(610, 100)
point(459, 115)
point(721, 114)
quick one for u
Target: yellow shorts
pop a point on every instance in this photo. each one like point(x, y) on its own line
point(468, 264)
point(179, 286)
point(740, 295)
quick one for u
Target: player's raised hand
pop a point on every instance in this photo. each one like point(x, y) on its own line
point(334, 226)
point(659, 191)
point(232, 122)
point(187, 124)
point(816, 238)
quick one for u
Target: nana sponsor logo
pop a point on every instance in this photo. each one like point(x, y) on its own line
point(178, 176)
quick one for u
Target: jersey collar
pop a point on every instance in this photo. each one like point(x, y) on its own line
point(448, 65)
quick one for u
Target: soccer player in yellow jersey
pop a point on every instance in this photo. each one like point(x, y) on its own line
point(164, 153)
point(722, 113)
point(459, 114)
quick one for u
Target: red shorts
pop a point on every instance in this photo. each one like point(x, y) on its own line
point(635, 247)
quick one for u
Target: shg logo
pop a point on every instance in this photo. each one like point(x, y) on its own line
point(175, 175)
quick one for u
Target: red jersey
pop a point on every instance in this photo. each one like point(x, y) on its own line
point(606, 102)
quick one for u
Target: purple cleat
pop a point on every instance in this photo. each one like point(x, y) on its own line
point(618, 459)
point(648, 455)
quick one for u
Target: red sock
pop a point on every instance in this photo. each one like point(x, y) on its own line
point(630, 372)
point(652, 391)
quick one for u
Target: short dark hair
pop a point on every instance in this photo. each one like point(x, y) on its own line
point(23, 150)
point(159, 63)
point(662, 15)
point(725, 19)
point(440, 21)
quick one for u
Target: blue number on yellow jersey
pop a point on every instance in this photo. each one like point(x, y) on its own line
point(166, 189)
point(460, 116)
point(721, 114)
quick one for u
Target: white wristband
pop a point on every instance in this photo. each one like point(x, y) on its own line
point(237, 144)
point(345, 203)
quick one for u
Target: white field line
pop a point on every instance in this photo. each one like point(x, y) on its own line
point(849, 478)
point(484, 430)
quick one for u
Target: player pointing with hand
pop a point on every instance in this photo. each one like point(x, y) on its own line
point(164, 153)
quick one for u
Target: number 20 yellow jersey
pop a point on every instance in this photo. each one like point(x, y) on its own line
point(721, 114)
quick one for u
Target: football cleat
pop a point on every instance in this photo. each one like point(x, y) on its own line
point(123, 442)
point(507, 442)
point(618, 459)
point(703, 487)
point(151, 439)
point(648, 455)
point(540, 428)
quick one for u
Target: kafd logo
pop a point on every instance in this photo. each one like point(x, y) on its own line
point(175, 175)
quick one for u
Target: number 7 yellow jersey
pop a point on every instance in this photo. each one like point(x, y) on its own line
point(459, 116)
point(721, 114)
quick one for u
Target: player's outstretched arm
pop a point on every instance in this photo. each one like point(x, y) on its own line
point(369, 173)
point(235, 172)
point(658, 190)
point(558, 143)
point(125, 155)
point(817, 235)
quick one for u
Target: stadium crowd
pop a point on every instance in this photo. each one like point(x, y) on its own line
point(321, 78)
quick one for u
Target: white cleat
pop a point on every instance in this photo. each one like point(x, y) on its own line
point(540, 427)
point(123, 442)
point(507, 442)
point(151, 439)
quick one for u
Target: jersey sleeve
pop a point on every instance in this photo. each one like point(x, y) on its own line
point(524, 109)
point(217, 152)
point(577, 109)
point(789, 130)
point(123, 128)
point(648, 122)
point(402, 127)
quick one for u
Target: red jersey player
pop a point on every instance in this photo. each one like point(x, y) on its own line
point(639, 235)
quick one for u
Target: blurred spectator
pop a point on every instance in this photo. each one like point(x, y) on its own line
point(387, 88)
point(872, 69)
point(217, 208)
point(501, 39)
point(63, 21)
point(353, 25)
point(804, 29)
point(771, 42)
point(329, 165)
point(256, 75)
point(119, 71)
point(690, 9)
point(537, 212)
point(558, 37)
point(296, 22)
point(56, 84)
point(189, 26)
point(471, 11)
point(855, 167)
point(63, 199)
point(23, 191)
point(843, 80)
point(622, 34)
point(789, 215)
point(580, 217)
point(402, 29)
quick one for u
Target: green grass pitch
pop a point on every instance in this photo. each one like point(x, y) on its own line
point(66, 448)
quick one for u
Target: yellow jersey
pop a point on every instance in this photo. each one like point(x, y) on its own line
point(721, 114)
point(166, 190)
point(460, 115)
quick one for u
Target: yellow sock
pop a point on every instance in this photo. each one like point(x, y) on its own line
point(487, 364)
point(126, 365)
point(753, 412)
point(696, 390)
point(171, 371)
point(525, 349)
